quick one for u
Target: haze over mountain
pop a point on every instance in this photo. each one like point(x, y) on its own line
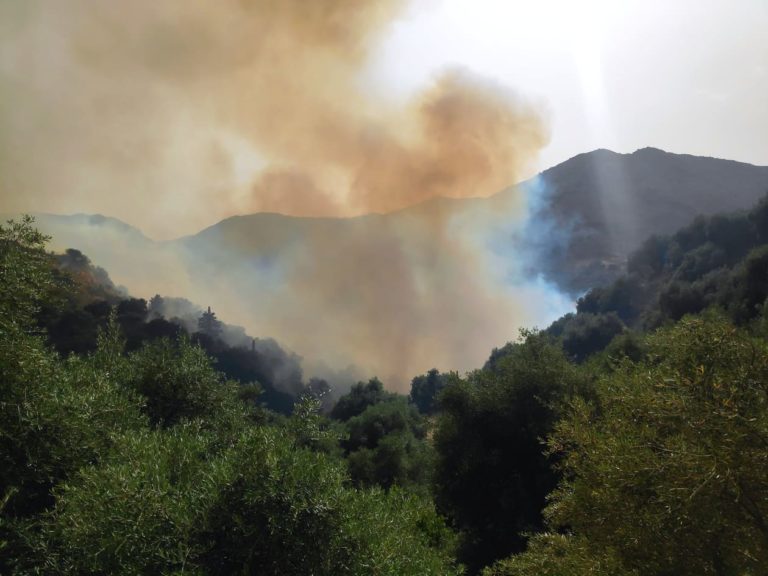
point(610, 203)
point(383, 292)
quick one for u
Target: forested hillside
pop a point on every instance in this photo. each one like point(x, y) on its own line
point(150, 462)
point(627, 438)
point(328, 288)
point(85, 297)
point(601, 206)
point(718, 261)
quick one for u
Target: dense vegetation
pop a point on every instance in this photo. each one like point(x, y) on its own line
point(665, 470)
point(85, 296)
point(628, 438)
point(717, 261)
point(149, 462)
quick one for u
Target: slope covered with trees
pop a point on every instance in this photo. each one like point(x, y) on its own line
point(664, 470)
point(150, 462)
point(718, 261)
point(628, 438)
point(84, 297)
point(601, 206)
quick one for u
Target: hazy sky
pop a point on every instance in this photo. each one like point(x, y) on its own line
point(166, 113)
point(688, 76)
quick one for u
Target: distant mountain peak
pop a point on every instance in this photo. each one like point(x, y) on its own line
point(650, 150)
point(611, 202)
point(599, 206)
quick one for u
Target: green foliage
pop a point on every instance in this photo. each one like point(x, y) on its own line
point(399, 534)
point(733, 234)
point(84, 297)
point(177, 500)
point(85, 282)
point(385, 446)
point(178, 382)
point(758, 217)
point(585, 334)
point(701, 260)
point(312, 430)
point(148, 462)
point(425, 389)
point(285, 511)
point(716, 261)
point(491, 475)
point(136, 513)
point(551, 554)
point(25, 269)
point(55, 418)
point(750, 286)
point(277, 511)
point(248, 367)
point(626, 346)
point(74, 328)
point(359, 398)
point(650, 258)
point(669, 467)
point(624, 298)
point(678, 299)
point(139, 458)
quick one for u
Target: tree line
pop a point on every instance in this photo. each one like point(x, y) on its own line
point(623, 439)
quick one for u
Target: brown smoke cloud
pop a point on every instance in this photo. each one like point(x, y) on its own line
point(133, 109)
point(173, 114)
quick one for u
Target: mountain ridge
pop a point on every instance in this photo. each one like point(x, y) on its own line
point(611, 202)
point(591, 211)
point(100, 219)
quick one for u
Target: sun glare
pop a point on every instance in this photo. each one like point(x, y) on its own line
point(564, 24)
point(534, 47)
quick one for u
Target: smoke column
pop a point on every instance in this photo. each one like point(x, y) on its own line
point(173, 114)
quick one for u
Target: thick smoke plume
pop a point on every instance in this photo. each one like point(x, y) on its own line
point(157, 111)
point(173, 114)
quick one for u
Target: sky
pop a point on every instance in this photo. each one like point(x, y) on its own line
point(687, 76)
point(173, 115)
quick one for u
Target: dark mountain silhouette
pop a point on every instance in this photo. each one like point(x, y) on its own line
point(587, 215)
point(602, 205)
point(596, 208)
